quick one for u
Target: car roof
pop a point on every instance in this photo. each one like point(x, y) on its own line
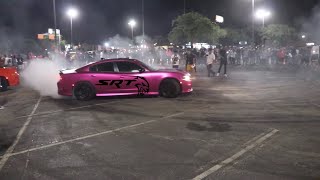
point(117, 59)
point(86, 67)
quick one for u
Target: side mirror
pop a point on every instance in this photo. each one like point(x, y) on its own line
point(142, 70)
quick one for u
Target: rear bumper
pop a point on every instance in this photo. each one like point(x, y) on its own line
point(64, 91)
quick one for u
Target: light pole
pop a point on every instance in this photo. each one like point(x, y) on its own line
point(72, 13)
point(263, 14)
point(55, 24)
point(143, 19)
point(253, 5)
point(132, 23)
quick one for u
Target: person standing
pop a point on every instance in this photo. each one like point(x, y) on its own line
point(232, 56)
point(20, 62)
point(211, 58)
point(223, 61)
point(190, 61)
point(281, 56)
point(175, 58)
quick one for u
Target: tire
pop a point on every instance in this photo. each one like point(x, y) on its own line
point(84, 91)
point(170, 88)
point(3, 84)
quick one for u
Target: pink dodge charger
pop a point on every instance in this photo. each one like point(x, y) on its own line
point(115, 77)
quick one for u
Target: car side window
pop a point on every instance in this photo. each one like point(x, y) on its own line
point(104, 67)
point(128, 67)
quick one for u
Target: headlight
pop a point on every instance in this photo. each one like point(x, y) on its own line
point(187, 77)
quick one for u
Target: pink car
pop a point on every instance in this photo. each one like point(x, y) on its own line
point(115, 77)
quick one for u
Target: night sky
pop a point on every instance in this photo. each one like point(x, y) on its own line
point(101, 19)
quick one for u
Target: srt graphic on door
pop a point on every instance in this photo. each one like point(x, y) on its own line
point(136, 79)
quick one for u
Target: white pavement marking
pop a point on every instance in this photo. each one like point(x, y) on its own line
point(89, 136)
point(310, 154)
point(7, 154)
point(61, 110)
point(316, 104)
point(235, 156)
point(1, 107)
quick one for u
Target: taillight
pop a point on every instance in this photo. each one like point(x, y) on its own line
point(60, 76)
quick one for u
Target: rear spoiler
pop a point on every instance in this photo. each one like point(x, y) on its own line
point(67, 71)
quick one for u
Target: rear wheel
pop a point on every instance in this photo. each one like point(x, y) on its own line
point(3, 84)
point(84, 91)
point(170, 88)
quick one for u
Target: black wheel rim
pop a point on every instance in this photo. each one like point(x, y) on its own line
point(169, 89)
point(83, 92)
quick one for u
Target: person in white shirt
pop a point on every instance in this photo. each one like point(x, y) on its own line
point(232, 56)
point(175, 58)
point(211, 59)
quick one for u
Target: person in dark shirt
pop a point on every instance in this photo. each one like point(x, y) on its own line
point(20, 62)
point(223, 61)
point(190, 61)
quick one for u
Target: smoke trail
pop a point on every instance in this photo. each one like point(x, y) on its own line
point(42, 76)
point(312, 25)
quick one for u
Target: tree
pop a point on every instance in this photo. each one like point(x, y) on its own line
point(234, 36)
point(63, 45)
point(279, 34)
point(160, 40)
point(29, 45)
point(194, 27)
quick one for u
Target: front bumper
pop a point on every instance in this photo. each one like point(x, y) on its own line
point(186, 86)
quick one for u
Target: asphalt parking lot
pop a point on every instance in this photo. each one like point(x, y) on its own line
point(255, 124)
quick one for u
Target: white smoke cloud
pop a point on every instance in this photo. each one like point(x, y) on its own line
point(42, 76)
point(119, 42)
point(312, 25)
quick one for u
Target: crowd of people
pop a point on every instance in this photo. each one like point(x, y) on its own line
point(224, 56)
point(12, 60)
point(211, 60)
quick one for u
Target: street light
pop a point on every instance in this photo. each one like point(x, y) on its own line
point(55, 25)
point(72, 13)
point(253, 9)
point(263, 14)
point(132, 23)
point(303, 36)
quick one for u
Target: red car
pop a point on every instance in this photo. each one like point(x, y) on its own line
point(115, 77)
point(8, 77)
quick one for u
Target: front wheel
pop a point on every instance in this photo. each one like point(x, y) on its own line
point(170, 88)
point(3, 84)
point(84, 91)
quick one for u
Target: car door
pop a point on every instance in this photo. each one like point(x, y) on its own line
point(104, 77)
point(130, 73)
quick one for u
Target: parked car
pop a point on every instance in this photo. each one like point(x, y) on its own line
point(9, 76)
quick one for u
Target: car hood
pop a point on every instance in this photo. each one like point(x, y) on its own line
point(10, 68)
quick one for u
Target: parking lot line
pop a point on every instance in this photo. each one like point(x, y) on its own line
point(7, 154)
point(315, 104)
point(237, 155)
point(89, 136)
point(61, 110)
point(300, 153)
